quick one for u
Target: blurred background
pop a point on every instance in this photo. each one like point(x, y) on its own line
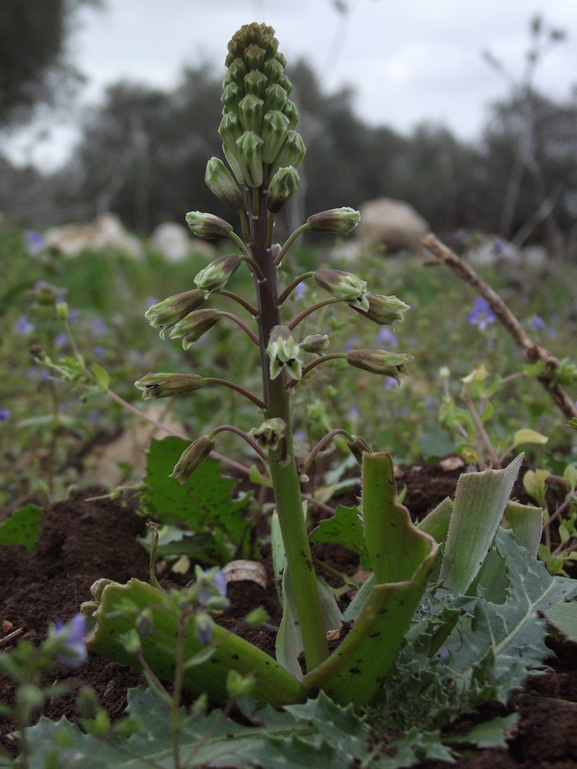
point(467, 111)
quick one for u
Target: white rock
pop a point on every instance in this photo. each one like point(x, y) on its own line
point(393, 223)
point(104, 233)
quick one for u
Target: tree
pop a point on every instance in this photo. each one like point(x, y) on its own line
point(33, 66)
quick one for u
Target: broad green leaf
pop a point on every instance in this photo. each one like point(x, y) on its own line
point(402, 557)
point(570, 475)
point(528, 436)
point(204, 503)
point(489, 734)
point(344, 528)
point(22, 528)
point(102, 377)
point(106, 624)
point(563, 617)
point(480, 502)
point(317, 733)
point(436, 523)
point(527, 524)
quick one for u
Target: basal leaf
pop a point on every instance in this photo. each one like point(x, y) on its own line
point(22, 528)
point(318, 734)
point(344, 528)
point(204, 503)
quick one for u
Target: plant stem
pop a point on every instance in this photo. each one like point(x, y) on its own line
point(289, 242)
point(284, 476)
point(238, 388)
point(248, 331)
point(305, 313)
point(239, 299)
point(290, 288)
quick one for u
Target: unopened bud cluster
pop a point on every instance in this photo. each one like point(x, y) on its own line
point(259, 119)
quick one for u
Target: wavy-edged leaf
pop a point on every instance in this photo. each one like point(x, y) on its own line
point(480, 502)
point(106, 624)
point(403, 558)
point(317, 733)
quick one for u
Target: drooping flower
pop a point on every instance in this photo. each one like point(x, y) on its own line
point(69, 641)
point(481, 315)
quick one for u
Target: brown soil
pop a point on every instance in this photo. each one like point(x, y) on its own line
point(82, 541)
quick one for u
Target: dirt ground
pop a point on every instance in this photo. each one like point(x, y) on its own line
point(82, 541)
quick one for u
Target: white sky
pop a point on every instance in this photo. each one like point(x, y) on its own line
point(409, 60)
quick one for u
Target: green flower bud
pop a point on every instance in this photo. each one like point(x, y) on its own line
point(230, 130)
point(239, 686)
point(131, 641)
point(127, 726)
point(62, 310)
point(165, 314)
point(285, 83)
point(87, 703)
point(282, 187)
point(191, 328)
point(217, 274)
point(232, 160)
point(98, 726)
point(275, 127)
point(284, 353)
point(167, 385)
point(270, 433)
point(344, 286)
point(257, 617)
point(255, 83)
point(292, 152)
point(291, 111)
point(383, 310)
point(29, 698)
point(251, 112)
point(250, 158)
point(339, 220)
point(207, 226)
point(275, 97)
point(231, 96)
point(219, 181)
point(358, 446)
point(192, 457)
point(379, 362)
point(316, 343)
point(236, 73)
point(254, 56)
point(274, 70)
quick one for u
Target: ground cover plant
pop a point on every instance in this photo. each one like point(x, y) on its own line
point(455, 609)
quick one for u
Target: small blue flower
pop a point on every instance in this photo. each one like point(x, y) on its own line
point(536, 323)
point(23, 327)
point(60, 340)
point(214, 584)
point(98, 327)
point(34, 242)
point(387, 338)
point(5, 415)
point(300, 290)
point(498, 247)
point(390, 383)
point(204, 629)
point(99, 351)
point(354, 343)
point(481, 314)
point(72, 644)
point(353, 414)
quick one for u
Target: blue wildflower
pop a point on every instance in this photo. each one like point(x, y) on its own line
point(98, 327)
point(23, 327)
point(536, 323)
point(5, 415)
point(214, 583)
point(354, 343)
point(387, 338)
point(99, 351)
point(390, 383)
point(300, 290)
point(71, 644)
point(34, 242)
point(60, 340)
point(481, 314)
point(204, 629)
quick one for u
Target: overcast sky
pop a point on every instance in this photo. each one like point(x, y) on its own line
point(409, 60)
